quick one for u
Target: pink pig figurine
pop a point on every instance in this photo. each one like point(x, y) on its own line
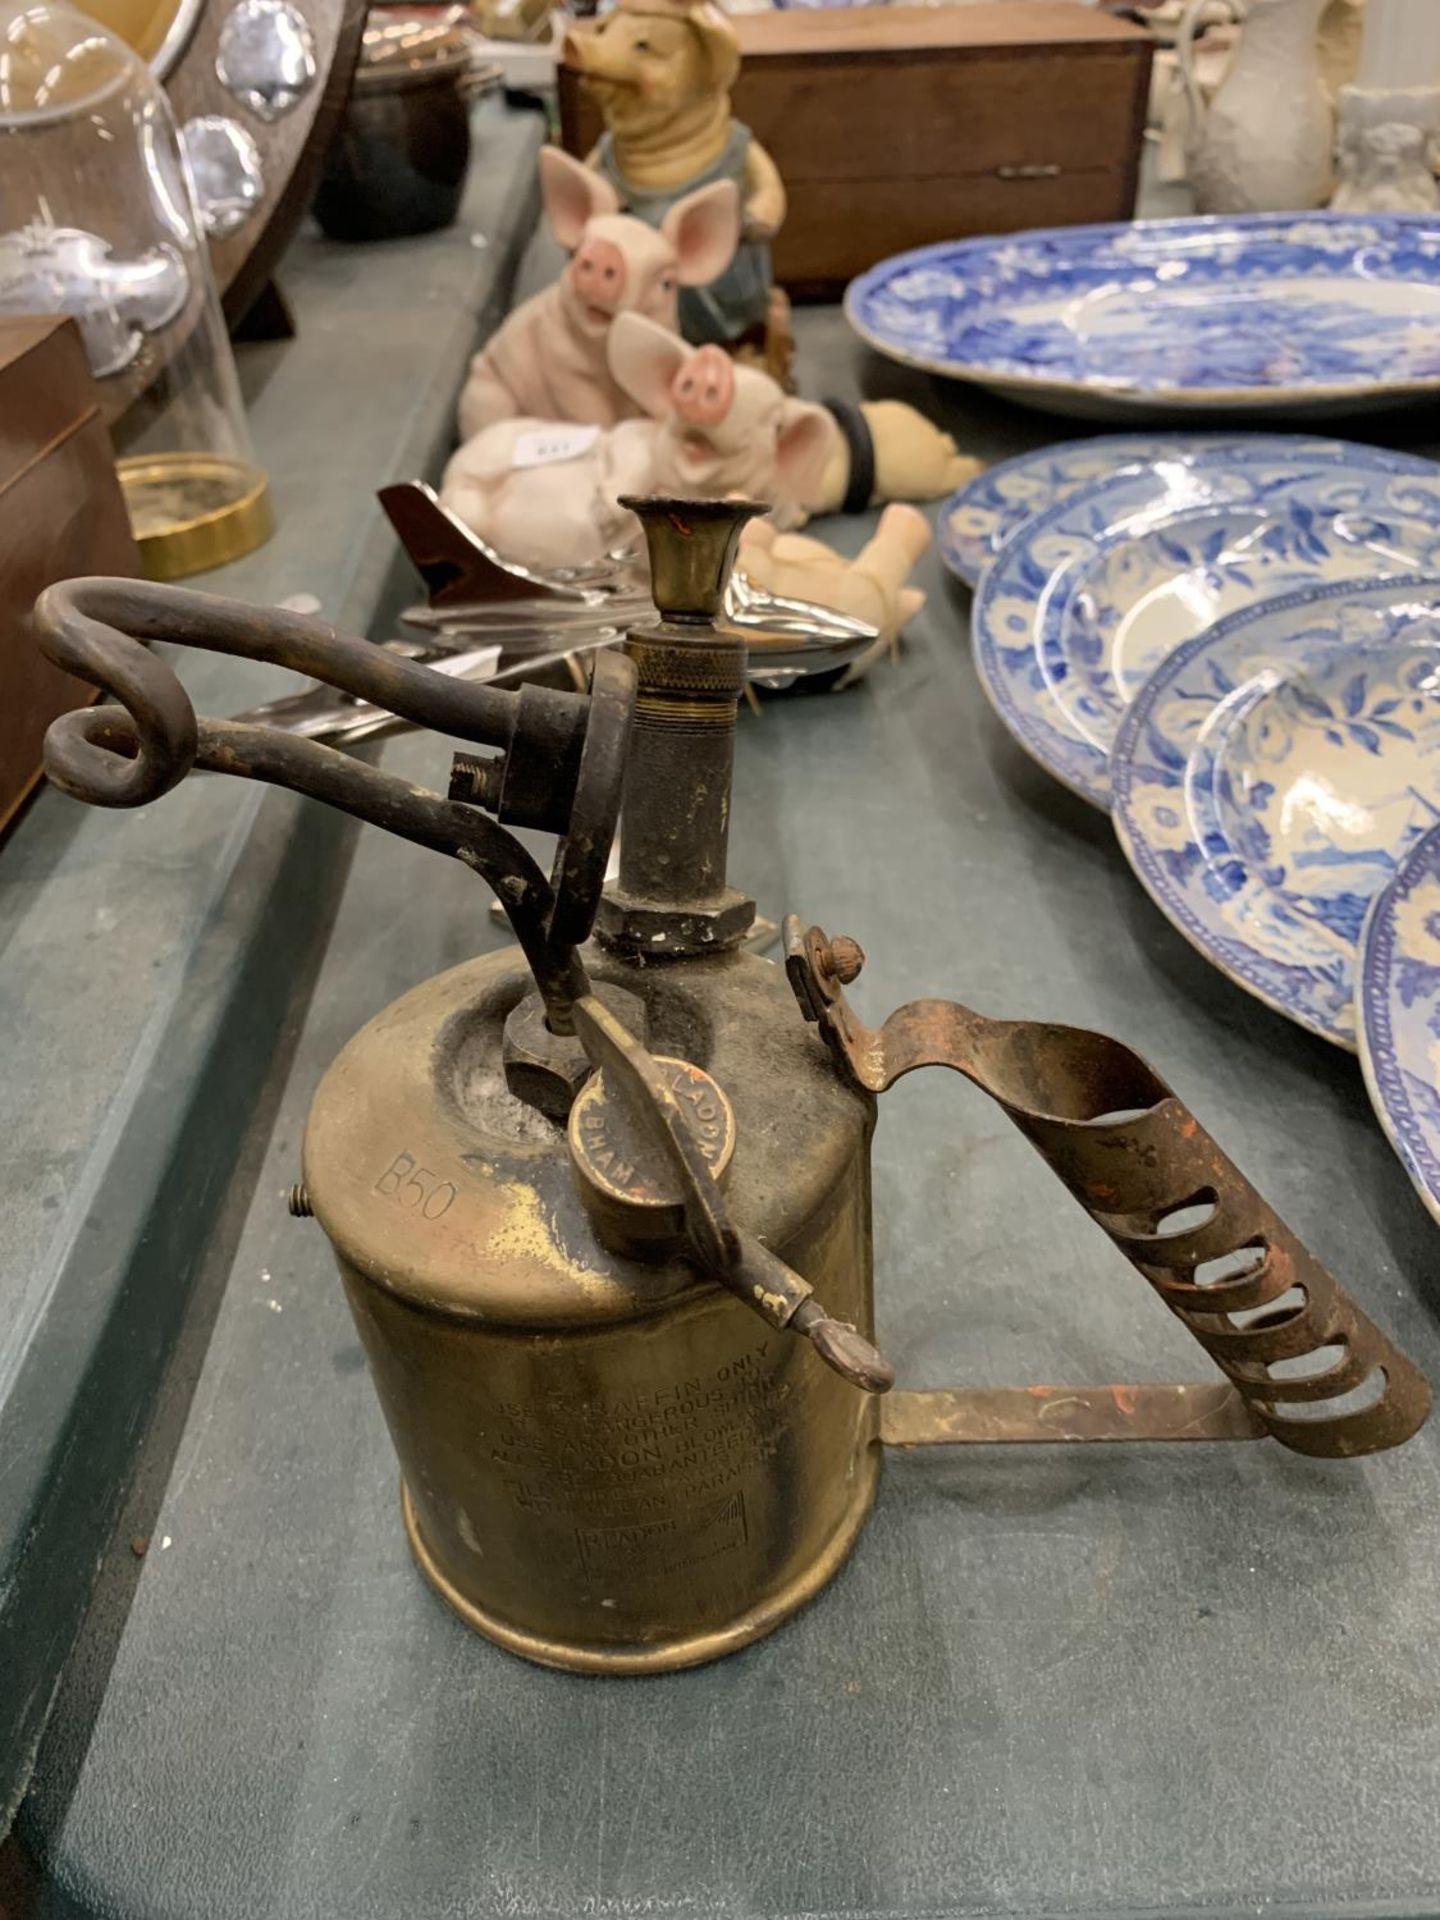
point(547, 361)
point(724, 427)
point(721, 427)
point(547, 495)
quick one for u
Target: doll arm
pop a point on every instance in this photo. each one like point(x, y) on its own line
point(871, 587)
point(892, 551)
point(764, 195)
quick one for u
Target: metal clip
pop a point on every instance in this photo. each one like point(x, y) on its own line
point(1293, 1345)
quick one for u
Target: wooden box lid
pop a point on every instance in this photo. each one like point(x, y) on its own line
point(835, 32)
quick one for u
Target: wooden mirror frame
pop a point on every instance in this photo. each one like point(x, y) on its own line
point(291, 145)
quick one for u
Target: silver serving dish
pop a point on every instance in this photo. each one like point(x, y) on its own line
point(489, 619)
point(475, 590)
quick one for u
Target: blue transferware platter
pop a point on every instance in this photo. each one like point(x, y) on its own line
point(975, 523)
point(1314, 313)
point(1086, 600)
point(1399, 1008)
point(1275, 772)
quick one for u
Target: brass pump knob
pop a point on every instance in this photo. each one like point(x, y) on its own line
point(692, 549)
point(650, 1142)
point(634, 1197)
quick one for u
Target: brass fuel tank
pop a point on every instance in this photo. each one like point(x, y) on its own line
point(601, 1203)
point(608, 1463)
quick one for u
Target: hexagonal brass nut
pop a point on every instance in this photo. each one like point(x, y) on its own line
point(655, 932)
point(546, 1070)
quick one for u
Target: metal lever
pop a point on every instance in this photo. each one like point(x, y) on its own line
point(1297, 1351)
point(650, 1140)
point(560, 770)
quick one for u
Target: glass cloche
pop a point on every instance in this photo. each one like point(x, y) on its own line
point(97, 220)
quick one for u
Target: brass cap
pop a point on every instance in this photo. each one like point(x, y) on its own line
point(692, 548)
point(193, 511)
point(631, 1195)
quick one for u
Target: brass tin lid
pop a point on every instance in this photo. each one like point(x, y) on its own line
point(193, 511)
point(407, 47)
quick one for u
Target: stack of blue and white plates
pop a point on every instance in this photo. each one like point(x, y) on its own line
point(1231, 640)
point(1232, 644)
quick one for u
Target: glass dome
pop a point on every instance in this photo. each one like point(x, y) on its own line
point(97, 220)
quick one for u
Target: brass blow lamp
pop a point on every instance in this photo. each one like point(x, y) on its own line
point(586, 1193)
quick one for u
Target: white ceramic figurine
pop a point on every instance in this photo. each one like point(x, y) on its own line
point(1265, 143)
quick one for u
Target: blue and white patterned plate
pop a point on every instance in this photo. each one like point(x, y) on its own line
point(1316, 313)
point(1399, 1008)
point(976, 522)
point(1273, 774)
point(1086, 600)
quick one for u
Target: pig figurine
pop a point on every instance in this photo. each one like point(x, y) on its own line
point(726, 428)
point(660, 72)
point(546, 498)
point(548, 359)
point(720, 427)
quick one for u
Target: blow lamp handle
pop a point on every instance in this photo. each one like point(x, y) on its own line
point(1310, 1368)
point(560, 768)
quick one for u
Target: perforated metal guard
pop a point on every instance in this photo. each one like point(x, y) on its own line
point(1311, 1368)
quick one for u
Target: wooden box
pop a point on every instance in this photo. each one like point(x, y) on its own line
point(896, 126)
point(61, 514)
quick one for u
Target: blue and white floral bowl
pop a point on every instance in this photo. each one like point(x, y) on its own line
point(1087, 600)
point(1399, 1008)
point(1274, 773)
point(1316, 313)
point(975, 523)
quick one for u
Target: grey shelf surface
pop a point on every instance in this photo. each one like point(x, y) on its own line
point(148, 960)
point(1105, 1682)
point(1112, 1681)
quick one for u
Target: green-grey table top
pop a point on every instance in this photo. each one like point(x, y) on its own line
point(1192, 1680)
point(147, 958)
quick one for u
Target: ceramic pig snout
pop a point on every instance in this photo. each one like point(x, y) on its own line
point(600, 58)
point(703, 391)
point(597, 273)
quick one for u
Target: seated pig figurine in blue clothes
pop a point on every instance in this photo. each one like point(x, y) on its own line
point(661, 72)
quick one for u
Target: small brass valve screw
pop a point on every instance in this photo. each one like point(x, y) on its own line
point(841, 959)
